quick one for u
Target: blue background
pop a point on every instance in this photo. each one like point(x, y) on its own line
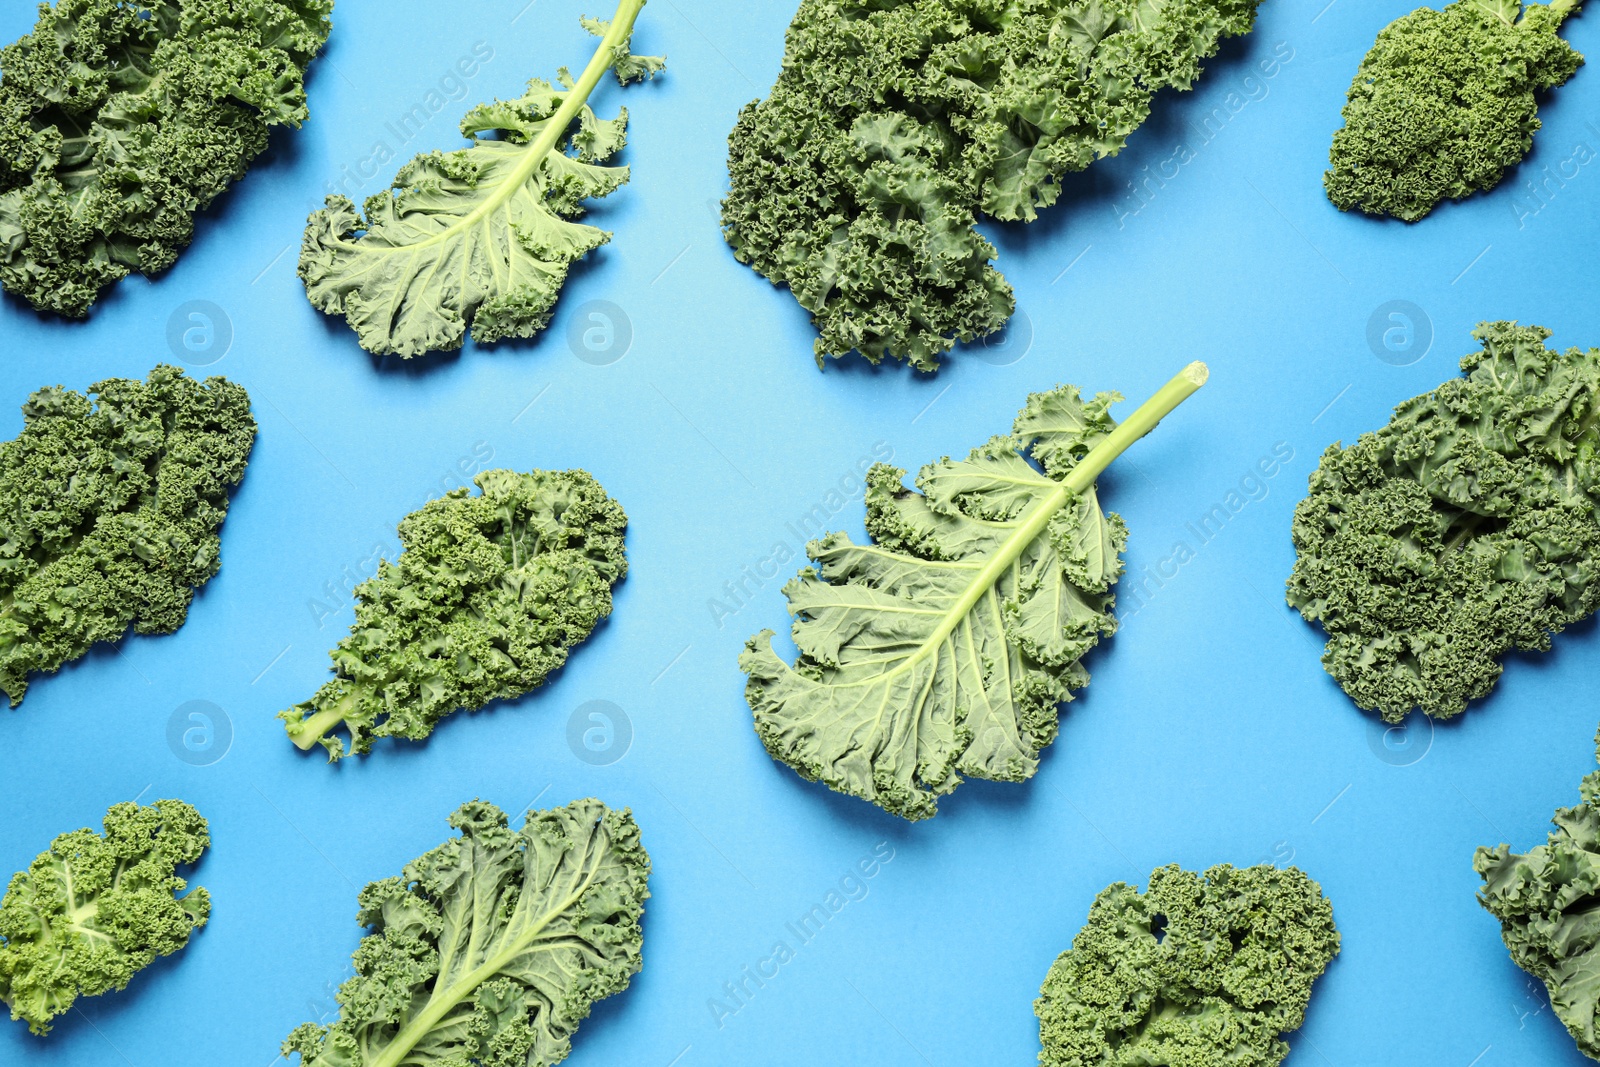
point(1210, 733)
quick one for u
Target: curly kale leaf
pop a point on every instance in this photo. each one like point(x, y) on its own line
point(1463, 529)
point(489, 595)
point(110, 513)
point(944, 647)
point(97, 908)
point(1548, 903)
point(492, 948)
point(895, 123)
point(1444, 104)
point(485, 234)
point(1203, 970)
point(120, 119)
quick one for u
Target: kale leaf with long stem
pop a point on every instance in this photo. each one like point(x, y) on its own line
point(944, 647)
point(479, 238)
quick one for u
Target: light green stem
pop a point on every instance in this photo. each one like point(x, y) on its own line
point(1562, 8)
point(1142, 421)
point(310, 730)
point(541, 147)
point(1080, 478)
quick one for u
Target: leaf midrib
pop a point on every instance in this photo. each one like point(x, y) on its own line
point(441, 1005)
point(1024, 534)
point(1078, 480)
point(540, 147)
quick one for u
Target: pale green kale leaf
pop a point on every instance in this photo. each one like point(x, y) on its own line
point(95, 909)
point(492, 948)
point(483, 236)
point(943, 648)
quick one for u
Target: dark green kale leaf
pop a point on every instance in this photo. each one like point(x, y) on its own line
point(489, 595)
point(896, 123)
point(1202, 970)
point(492, 948)
point(1548, 903)
point(110, 512)
point(1464, 528)
point(95, 909)
point(1445, 103)
point(120, 119)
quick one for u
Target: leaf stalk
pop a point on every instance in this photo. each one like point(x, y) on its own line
point(1078, 480)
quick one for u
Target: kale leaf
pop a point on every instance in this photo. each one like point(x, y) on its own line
point(1464, 528)
point(1203, 970)
point(1548, 903)
point(110, 512)
point(97, 908)
point(484, 234)
point(895, 123)
point(120, 119)
point(1445, 103)
point(944, 647)
point(489, 595)
point(492, 948)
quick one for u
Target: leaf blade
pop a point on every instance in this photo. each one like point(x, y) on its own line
point(496, 942)
point(944, 648)
point(482, 236)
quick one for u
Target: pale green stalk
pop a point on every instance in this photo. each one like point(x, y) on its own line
point(1079, 479)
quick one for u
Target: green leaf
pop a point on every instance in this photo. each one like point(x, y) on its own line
point(1506, 11)
point(624, 64)
point(1548, 903)
point(110, 513)
point(1466, 527)
point(95, 909)
point(491, 949)
point(120, 121)
point(1445, 104)
point(482, 236)
point(943, 648)
point(895, 125)
point(488, 597)
point(1203, 970)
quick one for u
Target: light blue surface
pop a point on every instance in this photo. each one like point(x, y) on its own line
point(1209, 734)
